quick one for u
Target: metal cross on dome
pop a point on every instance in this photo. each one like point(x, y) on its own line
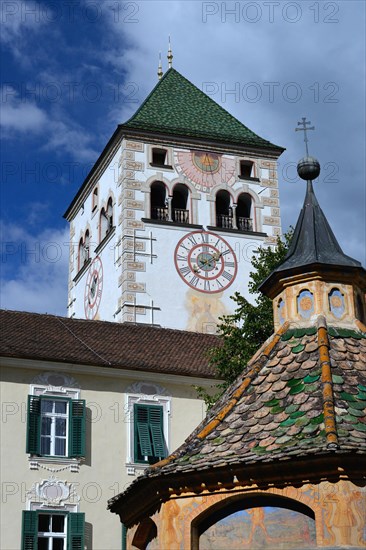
point(304, 123)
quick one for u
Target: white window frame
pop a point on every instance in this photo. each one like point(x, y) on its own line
point(33, 506)
point(53, 415)
point(55, 391)
point(50, 535)
point(132, 399)
point(169, 166)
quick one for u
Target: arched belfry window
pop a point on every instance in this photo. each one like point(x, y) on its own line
point(180, 204)
point(81, 254)
point(224, 211)
point(106, 220)
point(83, 250)
point(159, 203)
point(95, 199)
point(87, 246)
point(244, 216)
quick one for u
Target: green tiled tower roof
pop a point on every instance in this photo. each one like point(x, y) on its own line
point(177, 107)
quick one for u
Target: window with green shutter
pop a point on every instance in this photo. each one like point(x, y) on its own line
point(52, 530)
point(56, 426)
point(149, 443)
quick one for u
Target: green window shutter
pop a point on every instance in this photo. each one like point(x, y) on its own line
point(29, 530)
point(77, 428)
point(34, 425)
point(156, 429)
point(149, 432)
point(75, 531)
point(141, 418)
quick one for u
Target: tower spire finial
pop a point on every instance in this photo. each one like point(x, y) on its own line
point(160, 68)
point(308, 167)
point(170, 55)
point(304, 123)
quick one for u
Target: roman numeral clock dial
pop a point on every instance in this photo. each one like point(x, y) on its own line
point(205, 262)
point(93, 288)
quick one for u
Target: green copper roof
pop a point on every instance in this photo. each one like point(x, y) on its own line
point(177, 107)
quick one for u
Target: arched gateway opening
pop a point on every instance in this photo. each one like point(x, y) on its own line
point(255, 522)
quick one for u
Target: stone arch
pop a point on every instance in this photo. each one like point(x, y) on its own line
point(146, 186)
point(159, 201)
point(256, 199)
point(220, 187)
point(224, 209)
point(181, 203)
point(194, 196)
point(291, 498)
point(193, 191)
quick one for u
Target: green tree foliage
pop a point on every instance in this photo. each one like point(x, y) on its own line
point(248, 328)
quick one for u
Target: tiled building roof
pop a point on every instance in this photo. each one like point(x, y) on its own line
point(101, 343)
point(177, 107)
point(287, 405)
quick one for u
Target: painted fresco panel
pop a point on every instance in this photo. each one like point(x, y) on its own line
point(265, 527)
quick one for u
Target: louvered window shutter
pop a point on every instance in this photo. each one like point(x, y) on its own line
point(29, 530)
point(34, 425)
point(156, 429)
point(142, 430)
point(148, 433)
point(77, 428)
point(75, 531)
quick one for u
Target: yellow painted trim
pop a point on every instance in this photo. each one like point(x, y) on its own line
point(328, 397)
point(228, 407)
point(243, 386)
point(360, 326)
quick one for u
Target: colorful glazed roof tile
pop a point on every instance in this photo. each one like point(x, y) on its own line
point(177, 107)
point(288, 404)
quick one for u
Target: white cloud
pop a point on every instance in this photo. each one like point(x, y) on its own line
point(20, 117)
point(59, 134)
point(232, 52)
point(72, 139)
point(34, 270)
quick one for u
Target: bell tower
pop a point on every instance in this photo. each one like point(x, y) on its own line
point(165, 224)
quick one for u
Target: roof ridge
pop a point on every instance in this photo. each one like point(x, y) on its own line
point(226, 408)
point(150, 94)
point(331, 434)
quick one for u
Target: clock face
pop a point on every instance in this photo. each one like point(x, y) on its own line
point(205, 262)
point(93, 288)
point(205, 169)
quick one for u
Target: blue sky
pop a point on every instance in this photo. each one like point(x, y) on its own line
point(72, 70)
